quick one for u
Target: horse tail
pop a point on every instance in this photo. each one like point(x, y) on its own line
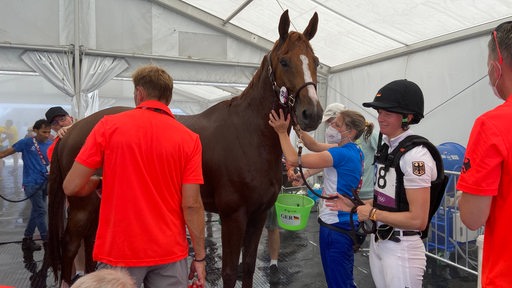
point(56, 216)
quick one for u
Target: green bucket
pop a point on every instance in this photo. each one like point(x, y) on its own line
point(293, 211)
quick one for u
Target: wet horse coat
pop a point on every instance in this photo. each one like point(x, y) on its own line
point(241, 156)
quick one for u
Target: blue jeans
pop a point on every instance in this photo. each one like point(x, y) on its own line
point(38, 195)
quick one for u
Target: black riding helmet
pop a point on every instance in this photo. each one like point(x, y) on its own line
point(400, 96)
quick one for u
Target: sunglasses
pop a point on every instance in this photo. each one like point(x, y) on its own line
point(57, 120)
point(495, 37)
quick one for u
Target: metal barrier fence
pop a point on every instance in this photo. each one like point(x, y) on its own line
point(449, 239)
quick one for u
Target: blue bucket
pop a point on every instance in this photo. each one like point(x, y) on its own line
point(313, 196)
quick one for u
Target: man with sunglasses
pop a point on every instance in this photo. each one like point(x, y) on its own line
point(60, 122)
point(486, 176)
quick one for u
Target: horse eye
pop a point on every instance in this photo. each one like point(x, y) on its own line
point(317, 61)
point(283, 63)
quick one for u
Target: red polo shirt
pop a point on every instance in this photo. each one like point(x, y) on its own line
point(488, 172)
point(146, 157)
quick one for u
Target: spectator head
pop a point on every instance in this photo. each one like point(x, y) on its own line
point(58, 118)
point(105, 278)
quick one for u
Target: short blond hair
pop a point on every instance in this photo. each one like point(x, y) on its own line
point(157, 83)
point(106, 278)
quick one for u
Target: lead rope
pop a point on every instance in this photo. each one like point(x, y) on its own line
point(299, 154)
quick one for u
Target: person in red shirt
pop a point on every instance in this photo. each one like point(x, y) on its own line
point(486, 176)
point(150, 187)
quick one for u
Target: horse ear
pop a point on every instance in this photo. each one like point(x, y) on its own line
point(284, 26)
point(310, 31)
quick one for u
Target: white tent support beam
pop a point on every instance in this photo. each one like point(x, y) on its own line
point(237, 11)
point(191, 70)
point(201, 16)
point(358, 23)
point(423, 45)
point(37, 47)
point(169, 58)
point(76, 66)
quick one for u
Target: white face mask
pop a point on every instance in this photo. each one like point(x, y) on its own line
point(332, 136)
point(494, 89)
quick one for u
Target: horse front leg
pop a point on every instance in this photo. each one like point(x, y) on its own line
point(233, 229)
point(252, 237)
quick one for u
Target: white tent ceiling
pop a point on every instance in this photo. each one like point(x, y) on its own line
point(352, 31)
point(212, 47)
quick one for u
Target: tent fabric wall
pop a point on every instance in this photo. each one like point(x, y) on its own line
point(56, 68)
point(141, 32)
point(453, 79)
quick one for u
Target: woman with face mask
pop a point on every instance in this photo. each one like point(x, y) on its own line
point(343, 168)
point(332, 138)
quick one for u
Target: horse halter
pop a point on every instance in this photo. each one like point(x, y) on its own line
point(282, 92)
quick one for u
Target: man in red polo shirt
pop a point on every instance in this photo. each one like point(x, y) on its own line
point(150, 190)
point(486, 176)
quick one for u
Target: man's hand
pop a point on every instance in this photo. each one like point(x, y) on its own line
point(62, 131)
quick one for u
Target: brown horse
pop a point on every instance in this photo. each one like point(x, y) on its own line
point(241, 157)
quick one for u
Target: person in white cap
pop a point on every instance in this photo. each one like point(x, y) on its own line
point(367, 143)
point(332, 137)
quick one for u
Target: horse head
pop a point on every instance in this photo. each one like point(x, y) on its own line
point(293, 72)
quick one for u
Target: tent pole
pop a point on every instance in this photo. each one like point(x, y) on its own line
point(76, 67)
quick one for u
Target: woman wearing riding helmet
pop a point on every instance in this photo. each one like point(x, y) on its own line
point(397, 253)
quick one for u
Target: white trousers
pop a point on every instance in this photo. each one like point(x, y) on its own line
point(398, 265)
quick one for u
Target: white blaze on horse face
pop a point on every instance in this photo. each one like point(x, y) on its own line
point(308, 78)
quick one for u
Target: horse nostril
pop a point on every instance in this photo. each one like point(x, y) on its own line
point(306, 116)
point(309, 119)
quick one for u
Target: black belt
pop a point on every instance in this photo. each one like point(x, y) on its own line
point(394, 235)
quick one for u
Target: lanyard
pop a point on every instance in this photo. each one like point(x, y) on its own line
point(39, 152)
point(157, 110)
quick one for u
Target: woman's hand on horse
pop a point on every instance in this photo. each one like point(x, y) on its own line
point(279, 122)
